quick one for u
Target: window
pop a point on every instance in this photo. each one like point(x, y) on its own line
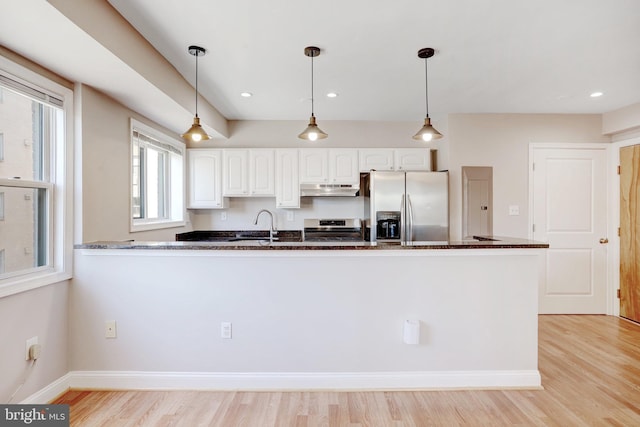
point(35, 180)
point(157, 179)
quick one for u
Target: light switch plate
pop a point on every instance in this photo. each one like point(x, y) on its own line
point(225, 330)
point(514, 210)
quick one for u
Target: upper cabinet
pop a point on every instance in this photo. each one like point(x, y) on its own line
point(248, 172)
point(287, 179)
point(262, 172)
point(204, 178)
point(412, 159)
point(382, 159)
point(329, 166)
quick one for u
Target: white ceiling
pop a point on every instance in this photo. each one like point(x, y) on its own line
point(543, 56)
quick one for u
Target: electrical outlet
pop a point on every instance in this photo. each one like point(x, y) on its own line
point(514, 210)
point(110, 329)
point(30, 342)
point(223, 216)
point(225, 330)
point(289, 215)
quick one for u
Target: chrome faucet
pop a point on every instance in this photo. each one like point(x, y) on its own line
point(272, 230)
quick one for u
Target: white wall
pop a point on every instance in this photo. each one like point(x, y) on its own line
point(43, 313)
point(40, 312)
point(105, 187)
point(502, 142)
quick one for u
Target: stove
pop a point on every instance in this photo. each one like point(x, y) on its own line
point(328, 230)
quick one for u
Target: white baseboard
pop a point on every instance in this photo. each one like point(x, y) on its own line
point(141, 380)
point(50, 392)
point(304, 380)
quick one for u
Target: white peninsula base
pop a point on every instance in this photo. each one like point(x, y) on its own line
point(304, 319)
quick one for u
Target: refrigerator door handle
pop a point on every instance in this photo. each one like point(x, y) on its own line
point(410, 215)
point(402, 220)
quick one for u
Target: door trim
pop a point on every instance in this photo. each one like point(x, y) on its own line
point(612, 264)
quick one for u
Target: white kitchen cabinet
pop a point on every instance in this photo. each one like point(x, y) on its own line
point(314, 166)
point(248, 172)
point(329, 166)
point(287, 179)
point(343, 166)
point(235, 176)
point(389, 159)
point(205, 179)
point(414, 159)
point(381, 159)
point(262, 172)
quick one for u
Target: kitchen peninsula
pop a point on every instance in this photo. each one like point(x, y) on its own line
point(306, 315)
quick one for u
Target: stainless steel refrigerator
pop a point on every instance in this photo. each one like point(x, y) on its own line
point(409, 207)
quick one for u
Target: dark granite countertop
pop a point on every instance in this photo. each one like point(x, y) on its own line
point(260, 242)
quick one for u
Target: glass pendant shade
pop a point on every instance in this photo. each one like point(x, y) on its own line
point(196, 133)
point(427, 132)
point(312, 132)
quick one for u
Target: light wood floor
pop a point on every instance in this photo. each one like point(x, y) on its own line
point(590, 368)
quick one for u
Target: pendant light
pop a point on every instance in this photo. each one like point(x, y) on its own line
point(312, 132)
point(427, 132)
point(196, 133)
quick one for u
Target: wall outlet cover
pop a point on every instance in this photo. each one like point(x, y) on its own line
point(110, 329)
point(30, 342)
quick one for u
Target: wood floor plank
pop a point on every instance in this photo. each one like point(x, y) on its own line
point(590, 367)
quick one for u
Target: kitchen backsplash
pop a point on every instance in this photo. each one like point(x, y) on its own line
point(241, 213)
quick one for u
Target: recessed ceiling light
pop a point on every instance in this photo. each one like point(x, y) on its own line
point(332, 95)
point(246, 94)
point(596, 94)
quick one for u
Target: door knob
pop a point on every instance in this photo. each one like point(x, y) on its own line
point(604, 240)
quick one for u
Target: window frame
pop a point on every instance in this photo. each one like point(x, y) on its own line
point(58, 170)
point(174, 204)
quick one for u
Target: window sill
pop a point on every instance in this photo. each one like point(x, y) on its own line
point(15, 285)
point(158, 225)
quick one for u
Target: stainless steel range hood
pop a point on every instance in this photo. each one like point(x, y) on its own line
point(329, 190)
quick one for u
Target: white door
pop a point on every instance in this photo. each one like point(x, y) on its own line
point(570, 213)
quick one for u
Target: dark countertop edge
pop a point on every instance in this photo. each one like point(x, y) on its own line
point(497, 243)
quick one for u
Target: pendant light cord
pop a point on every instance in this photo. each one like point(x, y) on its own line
point(312, 55)
point(426, 86)
point(197, 54)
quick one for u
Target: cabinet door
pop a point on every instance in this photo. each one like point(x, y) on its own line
point(205, 179)
point(235, 180)
point(413, 159)
point(343, 166)
point(380, 159)
point(314, 166)
point(261, 173)
point(287, 179)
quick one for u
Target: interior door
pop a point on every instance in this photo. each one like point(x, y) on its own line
point(569, 212)
point(630, 232)
point(477, 201)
